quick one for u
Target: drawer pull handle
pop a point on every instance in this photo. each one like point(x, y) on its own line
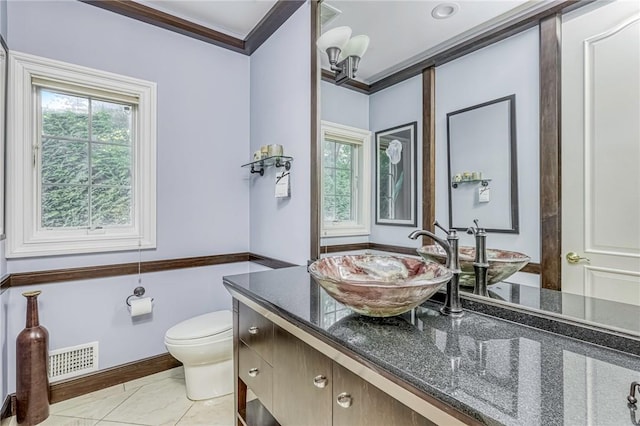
point(253, 372)
point(320, 381)
point(344, 400)
point(253, 330)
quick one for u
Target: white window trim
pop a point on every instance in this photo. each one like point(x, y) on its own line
point(24, 238)
point(363, 139)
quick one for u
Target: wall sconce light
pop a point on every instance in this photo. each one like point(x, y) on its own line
point(344, 51)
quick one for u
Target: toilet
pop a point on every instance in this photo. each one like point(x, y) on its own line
point(204, 346)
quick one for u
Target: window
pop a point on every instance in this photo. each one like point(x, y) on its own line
point(346, 181)
point(81, 175)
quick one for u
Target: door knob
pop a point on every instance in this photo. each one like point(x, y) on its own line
point(253, 330)
point(573, 258)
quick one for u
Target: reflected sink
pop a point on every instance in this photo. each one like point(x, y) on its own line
point(502, 263)
point(378, 285)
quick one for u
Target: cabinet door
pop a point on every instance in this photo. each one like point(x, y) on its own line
point(256, 331)
point(256, 374)
point(301, 382)
point(357, 402)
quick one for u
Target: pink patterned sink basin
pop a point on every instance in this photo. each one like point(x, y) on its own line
point(379, 286)
point(502, 263)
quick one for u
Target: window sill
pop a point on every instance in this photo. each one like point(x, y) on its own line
point(344, 232)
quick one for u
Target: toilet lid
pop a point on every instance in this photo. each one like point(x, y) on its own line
point(201, 326)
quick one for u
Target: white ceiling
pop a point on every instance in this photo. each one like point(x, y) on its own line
point(402, 32)
point(233, 17)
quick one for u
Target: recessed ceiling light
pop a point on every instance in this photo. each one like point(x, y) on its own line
point(445, 10)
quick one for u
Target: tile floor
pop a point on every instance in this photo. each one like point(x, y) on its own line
point(159, 399)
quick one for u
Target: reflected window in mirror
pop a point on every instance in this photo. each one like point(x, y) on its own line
point(346, 204)
point(483, 178)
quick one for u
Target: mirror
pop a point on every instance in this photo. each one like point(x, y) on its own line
point(486, 74)
point(396, 185)
point(481, 147)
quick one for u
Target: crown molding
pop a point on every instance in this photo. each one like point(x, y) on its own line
point(279, 13)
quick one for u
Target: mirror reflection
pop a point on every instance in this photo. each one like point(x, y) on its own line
point(600, 141)
point(481, 147)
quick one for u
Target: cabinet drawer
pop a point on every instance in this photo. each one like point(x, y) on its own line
point(256, 374)
point(256, 332)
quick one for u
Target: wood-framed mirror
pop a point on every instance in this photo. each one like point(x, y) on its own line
point(545, 26)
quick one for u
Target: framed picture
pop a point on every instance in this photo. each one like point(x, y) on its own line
point(396, 179)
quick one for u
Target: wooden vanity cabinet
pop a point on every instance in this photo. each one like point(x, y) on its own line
point(302, 382)
point(357, 402)
point(300, 386)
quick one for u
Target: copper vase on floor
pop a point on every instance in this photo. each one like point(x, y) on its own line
point(32, 381)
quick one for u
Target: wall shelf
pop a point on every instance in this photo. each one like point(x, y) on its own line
point(483, 182)
point(277, 161)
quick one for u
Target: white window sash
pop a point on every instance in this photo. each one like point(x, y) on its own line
point(361, 139)
point(25, 237)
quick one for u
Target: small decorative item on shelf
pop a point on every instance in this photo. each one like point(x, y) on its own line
point(276, 150)
point(32, 381)
point(264, 149)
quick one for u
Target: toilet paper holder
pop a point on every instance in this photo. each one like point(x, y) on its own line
point(137, 292)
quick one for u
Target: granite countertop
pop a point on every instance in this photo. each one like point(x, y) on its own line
point(493, 370)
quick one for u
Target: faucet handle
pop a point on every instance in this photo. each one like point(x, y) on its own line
point(476, 230)
point(436, 224)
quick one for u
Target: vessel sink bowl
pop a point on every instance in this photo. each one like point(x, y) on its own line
point(502, 263)
point(377, 285)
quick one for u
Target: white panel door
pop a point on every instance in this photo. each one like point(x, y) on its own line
point(601, 151)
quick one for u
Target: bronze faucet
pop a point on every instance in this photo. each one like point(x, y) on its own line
point(452, 305)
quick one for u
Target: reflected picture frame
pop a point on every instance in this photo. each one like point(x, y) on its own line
point(396, 176)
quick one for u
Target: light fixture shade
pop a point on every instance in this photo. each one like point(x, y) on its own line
point(357, 46)
point(336, 37)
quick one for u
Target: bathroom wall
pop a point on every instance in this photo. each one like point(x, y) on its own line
point(80, 312)
point(510, 66)
point(397, 105)
point(202, 193)
point(341, 105)
point(280, 114)
point(203, 122)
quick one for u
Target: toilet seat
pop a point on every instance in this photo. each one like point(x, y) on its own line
point(203, 329)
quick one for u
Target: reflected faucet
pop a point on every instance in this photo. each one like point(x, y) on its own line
point(480, 263)
point(452, 305)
